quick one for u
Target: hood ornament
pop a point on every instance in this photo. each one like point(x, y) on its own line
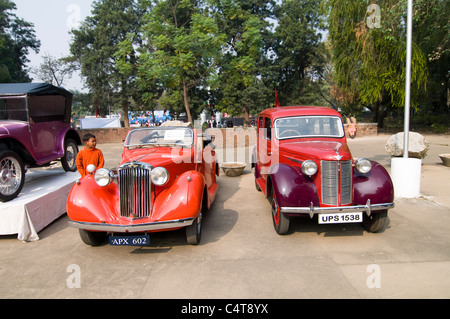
point(336, 149)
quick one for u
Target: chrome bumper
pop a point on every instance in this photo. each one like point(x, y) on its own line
point(114, 228)
point(311, 210)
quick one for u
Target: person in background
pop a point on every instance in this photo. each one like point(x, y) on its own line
point(89, 155)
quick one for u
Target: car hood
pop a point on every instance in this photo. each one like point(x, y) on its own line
point(319, 150)
point(157, 156)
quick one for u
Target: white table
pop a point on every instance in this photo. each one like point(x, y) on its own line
point(42, 200)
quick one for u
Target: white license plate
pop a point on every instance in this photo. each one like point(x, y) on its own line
point(338, 218)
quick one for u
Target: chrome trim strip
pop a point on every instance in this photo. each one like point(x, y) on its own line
point(133, 228)
point(311, 210)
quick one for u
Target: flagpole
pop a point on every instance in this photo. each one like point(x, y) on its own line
point(408, 79)
point(406, 172)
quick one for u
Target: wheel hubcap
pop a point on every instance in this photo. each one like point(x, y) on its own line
point(10, 176)
point(70, 155)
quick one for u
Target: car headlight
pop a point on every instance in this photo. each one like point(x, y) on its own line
point(309, 167)
point(103, 177)
point(159, 176)
point(363, 165)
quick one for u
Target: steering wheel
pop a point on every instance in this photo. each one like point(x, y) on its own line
point(149, 138)
point(290, 130)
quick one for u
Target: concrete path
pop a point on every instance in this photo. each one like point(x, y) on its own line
point(241, 256)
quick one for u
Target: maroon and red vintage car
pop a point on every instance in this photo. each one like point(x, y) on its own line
point(165, 181)
point(304, 167)
point(34, 131)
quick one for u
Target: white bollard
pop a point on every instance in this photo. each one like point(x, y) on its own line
point(405, 175)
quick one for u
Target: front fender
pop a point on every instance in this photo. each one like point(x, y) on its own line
point(88, 202)
point(183, 199)
point(376, 186)
point(292, 187)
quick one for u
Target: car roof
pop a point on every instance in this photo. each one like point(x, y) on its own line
point(284, 111)
point(32, 89)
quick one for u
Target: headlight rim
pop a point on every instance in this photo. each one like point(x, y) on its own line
point(109, 175)
point(305, 169)
point(359, 164)
point(166, 173)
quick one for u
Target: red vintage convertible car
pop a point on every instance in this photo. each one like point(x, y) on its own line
point(304, 167)
point(165, 181)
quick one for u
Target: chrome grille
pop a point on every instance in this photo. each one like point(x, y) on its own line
point(135, 190)
point(336, 178)
point(346, 182)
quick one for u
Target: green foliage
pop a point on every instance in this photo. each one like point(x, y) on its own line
point(17, 39)
point(95, 47)
point(299, 57)
point(369, 63)
point(185, 55)
point(183, 44)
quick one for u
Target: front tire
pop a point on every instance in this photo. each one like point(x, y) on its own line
point(12, 175)
point(280, 221)
point(92, 238)
point(194, 231)
point(376, 222)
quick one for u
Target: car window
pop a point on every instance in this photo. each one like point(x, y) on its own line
point(309, 126)
point(160, 136)
point(13, 108)
point(46, 108)
point(267, 128)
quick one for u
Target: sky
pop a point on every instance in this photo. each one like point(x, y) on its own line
point(53, 20)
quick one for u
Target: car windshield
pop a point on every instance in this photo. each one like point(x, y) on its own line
point(160, 136)
point(308, 126)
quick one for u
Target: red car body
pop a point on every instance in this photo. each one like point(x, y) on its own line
point(304, 167)
point(132, 202)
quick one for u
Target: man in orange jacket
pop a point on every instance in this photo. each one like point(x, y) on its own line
point(89, 155)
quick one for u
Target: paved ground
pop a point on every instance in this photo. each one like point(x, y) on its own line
point(241, 256)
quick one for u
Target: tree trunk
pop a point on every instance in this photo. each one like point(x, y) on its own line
point(96, 107)
point(246, 116)
point(126, 122)
point(124, 97)
point(186, 103)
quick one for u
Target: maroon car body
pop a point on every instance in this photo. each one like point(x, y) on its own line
point(34, 131)
point(304, 167)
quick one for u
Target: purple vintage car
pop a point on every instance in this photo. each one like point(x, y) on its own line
point(34, 131)
point(305, 168)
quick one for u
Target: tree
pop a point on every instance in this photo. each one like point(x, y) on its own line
point(17, 38)
point(54, 71)
point(183, 46)
point(299, 53)
point(369, 62)
point(95, 45)
point(431, 29)
point(238, 86)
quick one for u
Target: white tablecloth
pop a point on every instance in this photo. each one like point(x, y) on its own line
point(42, 200)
